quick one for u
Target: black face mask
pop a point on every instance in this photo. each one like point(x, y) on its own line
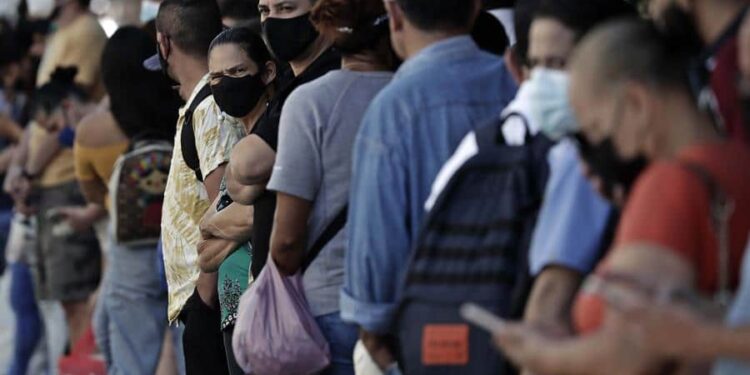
point(603, 161)
point(238, 96)
point(288, 38)
point(165, 66)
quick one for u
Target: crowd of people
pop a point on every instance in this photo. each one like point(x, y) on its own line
point(377, 187)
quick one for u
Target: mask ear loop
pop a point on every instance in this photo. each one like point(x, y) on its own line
point(375, 24)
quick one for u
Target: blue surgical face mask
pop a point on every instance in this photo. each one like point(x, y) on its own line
point(548, 104)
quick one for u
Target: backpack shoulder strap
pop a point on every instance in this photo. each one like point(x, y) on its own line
point(187, 136)
point(524, 121)
point(721, 210)
point(338, 223)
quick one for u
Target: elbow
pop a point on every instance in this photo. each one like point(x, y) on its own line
point(286, 256)
point(251, 173)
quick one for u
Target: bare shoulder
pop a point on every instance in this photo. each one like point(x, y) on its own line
point(99, 129)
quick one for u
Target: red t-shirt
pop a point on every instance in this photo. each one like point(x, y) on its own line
point(669, 207)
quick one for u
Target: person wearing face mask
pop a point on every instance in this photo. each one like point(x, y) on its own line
point(670, 243)
point(69, 255)
point(202, 145)
point(573, 219)
point(291, 38)
point(574, 223)
point(715, 69)
point(242, 77)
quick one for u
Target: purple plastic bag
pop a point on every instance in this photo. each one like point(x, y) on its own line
point(275, 333)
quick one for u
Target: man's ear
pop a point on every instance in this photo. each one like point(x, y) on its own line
point(270, 72)
point(639, 106)
point(395, 15)
point(163, 42)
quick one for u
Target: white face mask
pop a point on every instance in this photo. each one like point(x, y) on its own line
point(549, 108)
point(40, 8)
point(149, 9)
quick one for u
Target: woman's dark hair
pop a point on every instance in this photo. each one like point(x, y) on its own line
point(248, 41)
point(143, 102)
point(489, 34)
point(355, 26)
point(582, 16)
point(523, 15)
point(61, 86)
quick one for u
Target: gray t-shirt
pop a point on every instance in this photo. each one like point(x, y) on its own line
point(319, 123)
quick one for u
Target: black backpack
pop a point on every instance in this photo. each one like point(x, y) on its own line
point(187, 136)
point(473, 247)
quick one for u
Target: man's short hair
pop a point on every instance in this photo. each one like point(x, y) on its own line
point(190, 24)
point(523, 14)
point(433, 15)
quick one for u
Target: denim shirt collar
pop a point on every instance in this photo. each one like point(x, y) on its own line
point(451, 48)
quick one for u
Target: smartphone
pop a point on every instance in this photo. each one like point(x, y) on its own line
point(481, 317)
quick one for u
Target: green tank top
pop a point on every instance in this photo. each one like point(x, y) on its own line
point(234, 277)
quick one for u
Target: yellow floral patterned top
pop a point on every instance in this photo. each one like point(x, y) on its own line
point(186, 199)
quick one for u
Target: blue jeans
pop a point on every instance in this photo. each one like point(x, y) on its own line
point(341, 338)
point(28, 320)
point(5, 218)
point(130, 317)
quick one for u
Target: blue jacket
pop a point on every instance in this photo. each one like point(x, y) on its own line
point(408, 133)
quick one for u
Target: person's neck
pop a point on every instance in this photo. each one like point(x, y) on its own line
point(419, 40)
point(713, 17)
point(317, 48)
point(687, 128)
point(363, 62)
point(189, 73)
point(70, 17)
point(252, 118)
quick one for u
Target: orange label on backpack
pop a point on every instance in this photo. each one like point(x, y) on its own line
point(445, 345)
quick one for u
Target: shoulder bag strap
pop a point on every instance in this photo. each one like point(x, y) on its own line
point(338, 223)
point(722, 208)
point(187, 136)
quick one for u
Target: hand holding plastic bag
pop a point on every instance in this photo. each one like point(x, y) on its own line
point(275, 333)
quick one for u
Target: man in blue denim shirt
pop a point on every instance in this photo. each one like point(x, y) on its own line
point(446, 88)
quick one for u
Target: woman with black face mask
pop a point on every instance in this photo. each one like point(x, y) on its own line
point(242, 75)
point(242, 78)
point(291, 38)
